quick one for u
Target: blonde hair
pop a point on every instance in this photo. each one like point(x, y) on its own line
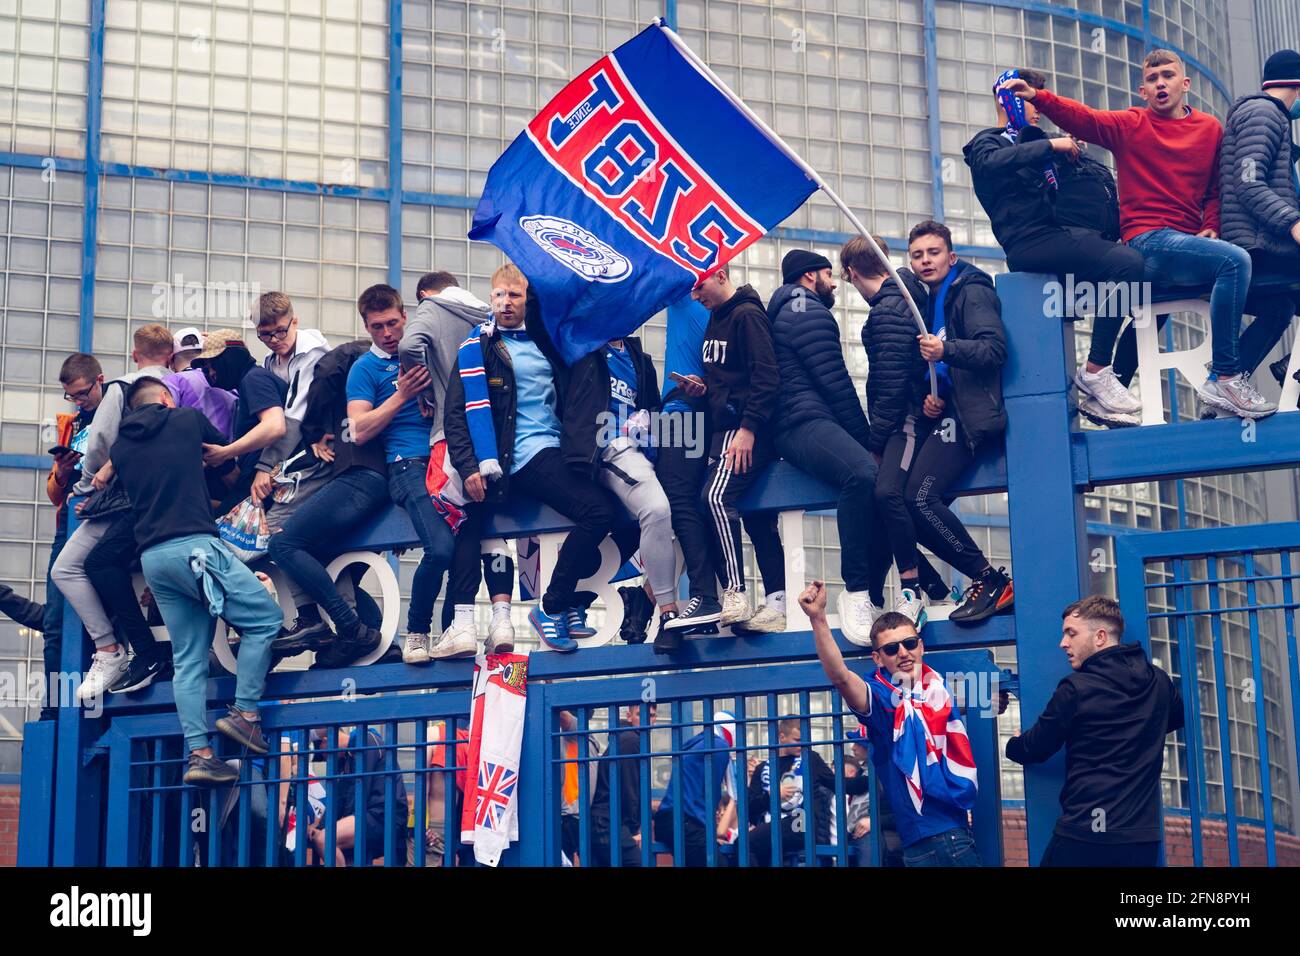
point(154, 341)
point(509, 274)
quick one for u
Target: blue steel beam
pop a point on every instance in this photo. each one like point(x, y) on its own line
point(395, 144)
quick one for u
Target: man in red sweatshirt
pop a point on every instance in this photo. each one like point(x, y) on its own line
point(1167, 156)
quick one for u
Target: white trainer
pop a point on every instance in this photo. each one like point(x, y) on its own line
point(857, 614)
point(501, 637)
point(911, 604)
point(458, 640)
point(415, 649)
point(735, 608)
point(766, 620)
point(105, 671)
point(1107, 392)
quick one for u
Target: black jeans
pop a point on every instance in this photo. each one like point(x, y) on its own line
point(825, 450)
point(939, 461)
point(466, 560)
point(630, 853)
point(1272, 311)
point(719, 496)
point(760, 843)
point(891, 500)
point(576, 496)
point(681, 477)
point(1062, 851)
point(108, 567)
point(1089, 258)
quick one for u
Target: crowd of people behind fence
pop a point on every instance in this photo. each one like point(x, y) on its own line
point(458, 410)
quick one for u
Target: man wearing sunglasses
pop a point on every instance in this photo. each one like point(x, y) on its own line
point(910, 717)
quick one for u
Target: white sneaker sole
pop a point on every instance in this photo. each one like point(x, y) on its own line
point(1223, 405)
point(419, 656)
point(731, 621)
point(1108, 419)
point(745, 627)
point(1087, 394)
point(698, 620)
point(505, 645)
point(460, 647)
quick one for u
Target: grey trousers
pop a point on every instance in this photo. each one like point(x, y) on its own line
point(69, 574)
point(630, 476)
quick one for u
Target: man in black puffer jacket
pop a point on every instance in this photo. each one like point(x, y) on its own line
point(823, 430)
point(1260, 210)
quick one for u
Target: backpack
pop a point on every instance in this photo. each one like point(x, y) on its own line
point(1086, 197)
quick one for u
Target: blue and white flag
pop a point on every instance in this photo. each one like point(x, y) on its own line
point(636, 181)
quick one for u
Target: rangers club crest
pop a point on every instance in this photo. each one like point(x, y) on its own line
point(571, 245)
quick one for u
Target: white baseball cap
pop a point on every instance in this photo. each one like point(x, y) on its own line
point(188, 339)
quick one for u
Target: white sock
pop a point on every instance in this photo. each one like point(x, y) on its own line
point(776, 601)
point(464, 615)
point(500, 611)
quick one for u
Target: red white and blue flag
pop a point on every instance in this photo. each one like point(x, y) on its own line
point(931, 748)
point(636, 181)
point(490, 816)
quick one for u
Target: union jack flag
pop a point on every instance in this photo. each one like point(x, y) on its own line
point(496, 784)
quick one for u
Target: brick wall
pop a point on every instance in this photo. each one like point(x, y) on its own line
point(1178, 842)
point(9, 825)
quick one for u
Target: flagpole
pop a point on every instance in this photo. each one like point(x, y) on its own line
point(811, 173)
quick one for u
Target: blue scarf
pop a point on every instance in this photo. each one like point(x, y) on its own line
point(1016, 121)
point(938, 324)
point(478, 406)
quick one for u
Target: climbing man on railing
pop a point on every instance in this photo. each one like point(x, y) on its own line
point(158, 458)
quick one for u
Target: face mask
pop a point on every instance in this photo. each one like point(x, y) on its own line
point(1295, 109)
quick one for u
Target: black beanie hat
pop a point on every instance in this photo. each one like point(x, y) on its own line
point(799, 261)
point(1282, 69)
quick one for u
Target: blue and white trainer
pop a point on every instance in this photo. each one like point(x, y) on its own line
point(553, 631)
point(576, 619)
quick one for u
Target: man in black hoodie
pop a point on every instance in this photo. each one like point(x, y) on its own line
point(968, 346)
point(741, 382)
point(1021, 175)
point(158, 457)
point(821, 426)
point(1112, 715)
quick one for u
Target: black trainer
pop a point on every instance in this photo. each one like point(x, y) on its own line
point(344, 650)
point(300, 636)
point(245, 732)
point(699, 611)
point(637, 611)
point(142, 671)
point(1278, 368)
point(209, 772)
point(989, 594)
point(668, 640)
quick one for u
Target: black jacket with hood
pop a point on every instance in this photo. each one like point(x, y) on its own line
point(815, 382)
point(500, 374)
point(975, 348)
point(327, 407)
point(740, 367)
point(158, 458)
point(587, 397)
point(1112, 715)
point(895, 370)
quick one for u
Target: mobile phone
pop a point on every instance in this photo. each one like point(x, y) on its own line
point(60, 450)
point(678, 378)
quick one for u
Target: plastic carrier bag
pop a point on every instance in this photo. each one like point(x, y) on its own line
point(245, 531)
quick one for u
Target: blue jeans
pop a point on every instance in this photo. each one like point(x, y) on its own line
point(954, 847)
point(1176, 258)
point(195, 580)
point(310, 538)
point(407, 488)
point(52, 633)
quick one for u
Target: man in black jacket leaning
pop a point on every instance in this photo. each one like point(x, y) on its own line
point(1260, 210)
point(741, 383)
point(822, 429)
point(1017, 172)
point(1112, 715)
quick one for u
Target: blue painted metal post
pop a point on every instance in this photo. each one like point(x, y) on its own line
point(1048, 531)
point(90, 225)
point(395, 143)
point(36, 786)
point(935, 132)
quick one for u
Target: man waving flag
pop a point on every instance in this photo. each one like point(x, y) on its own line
point(637, 180)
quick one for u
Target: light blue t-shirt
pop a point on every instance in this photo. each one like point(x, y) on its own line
point(536, 424)
point(373, 379)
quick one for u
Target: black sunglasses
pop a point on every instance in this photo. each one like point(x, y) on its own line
point(891, 649)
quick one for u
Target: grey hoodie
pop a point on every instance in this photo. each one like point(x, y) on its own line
point(103, 428)
point(309, 348)
point(433, 337)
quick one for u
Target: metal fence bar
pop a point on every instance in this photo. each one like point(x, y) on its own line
point(1192, 718)
point(1225, 727)
point(1293, 664)
point(1261, 717)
